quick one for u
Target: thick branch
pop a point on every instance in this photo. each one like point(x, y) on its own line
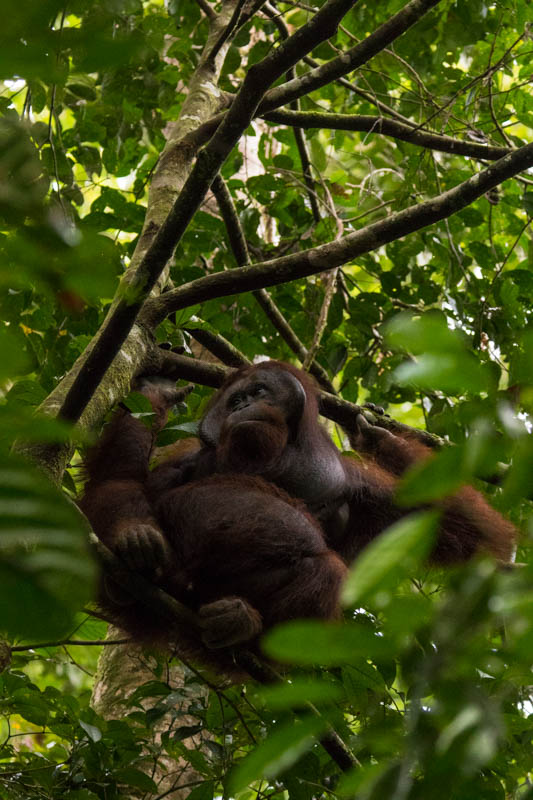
point(334, 254)
point(388, 127)
point(167, 180)
point(354, 58)
point(181, 367)
point(259, 77)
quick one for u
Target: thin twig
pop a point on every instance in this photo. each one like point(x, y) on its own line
point(71, 642)
point(227, 32)
point(331, 282)
point(298, 132)
point(490, 70)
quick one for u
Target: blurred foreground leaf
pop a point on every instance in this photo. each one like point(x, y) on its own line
point(277, 753)
point(327, 643)
point(390, 556)
point(46, 571)
point(298, 692)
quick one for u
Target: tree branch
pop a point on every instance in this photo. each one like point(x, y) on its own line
point(331, 283)
point(180, 367)
point(387, 127)
point(337, 253)
point(227, 32)
point(219, 347)
point(288, 335)
point(299, 137)
point(19, 648)
point(408, 132)
point(208, 10)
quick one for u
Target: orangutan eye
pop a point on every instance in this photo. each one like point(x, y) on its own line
point(259, 389)
point(235, 400)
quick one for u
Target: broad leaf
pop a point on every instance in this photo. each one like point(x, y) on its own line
point(390, 556)
point(278, 752)
point(46, 571)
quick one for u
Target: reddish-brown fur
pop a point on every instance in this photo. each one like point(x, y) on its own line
point(257, 525)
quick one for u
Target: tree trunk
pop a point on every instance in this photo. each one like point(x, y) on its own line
point(121, 670)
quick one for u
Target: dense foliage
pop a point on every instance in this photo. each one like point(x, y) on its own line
point(428, 680)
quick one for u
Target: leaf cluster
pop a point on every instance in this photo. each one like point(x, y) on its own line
point(428, 680)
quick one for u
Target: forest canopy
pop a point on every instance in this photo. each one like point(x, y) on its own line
point(189, 186)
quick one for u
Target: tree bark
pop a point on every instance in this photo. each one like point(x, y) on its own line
point(121, 670)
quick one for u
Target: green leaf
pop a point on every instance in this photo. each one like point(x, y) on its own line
point(136, 778)
point(430, 480)
point(441, 360)
point(528, 203)
point(30, 705)
point(26, 392)
point(149, 689)
point(454, 373)
point(390, 556)
point(360, 677)
point(13, 360)
point(138, 404)
point(46, 571)
point(426, 333)
point(94, 733)
point(205, 791)
point(327, 643)
point(282, 749)
point(517, 483)
point(298, 691)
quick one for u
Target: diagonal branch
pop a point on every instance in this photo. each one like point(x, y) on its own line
point(207, 9)
point(299, 137)
point(322, 321)
point(334, 254)
point(219, 347)
point(228, 31)
point(354, 58)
